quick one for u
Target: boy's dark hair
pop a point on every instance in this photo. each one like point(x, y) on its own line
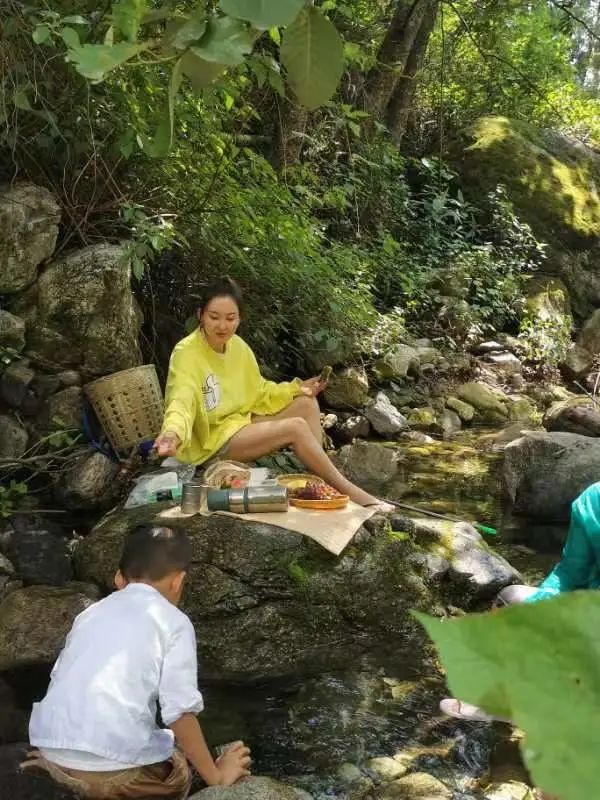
point(153, 551)
point(223, 287)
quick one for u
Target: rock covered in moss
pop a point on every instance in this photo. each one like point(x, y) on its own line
point(415, 786)
point(465, 411)
point(398, 362)
point(255, 788)
point(348, 388)
point(551, 180)
point(81, 312)
point(578, 362)
point(13, 437)
point(29, 217)
point(12, 331)
point(491, 404)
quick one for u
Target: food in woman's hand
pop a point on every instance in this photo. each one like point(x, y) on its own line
point(313, 490)
point(325, 374)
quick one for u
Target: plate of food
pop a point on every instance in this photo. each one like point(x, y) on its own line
point(310, 491)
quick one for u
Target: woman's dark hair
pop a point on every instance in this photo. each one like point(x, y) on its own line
point(223, 287)
point(153, 551)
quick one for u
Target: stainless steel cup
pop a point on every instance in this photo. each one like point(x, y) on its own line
point(193, 497)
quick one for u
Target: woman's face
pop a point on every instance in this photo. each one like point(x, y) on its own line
point(220, 319)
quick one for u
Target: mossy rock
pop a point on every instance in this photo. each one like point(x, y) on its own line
point(550, 180)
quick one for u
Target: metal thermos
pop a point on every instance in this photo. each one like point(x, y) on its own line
point(251, 500)
point(193, 497)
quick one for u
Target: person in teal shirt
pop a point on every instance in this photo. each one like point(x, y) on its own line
point(579, 568)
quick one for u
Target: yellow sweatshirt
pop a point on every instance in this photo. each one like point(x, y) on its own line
point(210, 395)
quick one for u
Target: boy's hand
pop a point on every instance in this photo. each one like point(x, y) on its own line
point(234, 764)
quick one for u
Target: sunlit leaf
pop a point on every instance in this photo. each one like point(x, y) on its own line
point(70, 37)
point(75, 19)
point(127, 17)
point(513, 665)
point(94, 61)
point(226, 41)
point(190, 31)
point(201, 73)
point(263, 13)
point(312, 52)
point(41, 34)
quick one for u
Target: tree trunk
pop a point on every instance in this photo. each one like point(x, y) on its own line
point(400, 104)
point(394, 54)
point(292, 126)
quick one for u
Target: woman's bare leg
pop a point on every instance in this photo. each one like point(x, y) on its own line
point(261, 438)
point(305, 407)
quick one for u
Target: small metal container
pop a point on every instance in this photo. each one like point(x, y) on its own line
point(251, 500)
point(193, 497)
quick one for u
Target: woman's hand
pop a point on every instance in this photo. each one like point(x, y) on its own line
point(313, 386)
point(167, 443)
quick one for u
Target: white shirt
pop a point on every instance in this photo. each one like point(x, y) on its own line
point(122, 656)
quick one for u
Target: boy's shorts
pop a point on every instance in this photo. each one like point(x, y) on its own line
point(170, 779)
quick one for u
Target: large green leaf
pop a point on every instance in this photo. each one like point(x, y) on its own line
point(94, 61)
point(226, 41)
point(127, 17)
point(190, 31)
point(201, 73)
point(538, 665)
point(312, 52)
point(263, 14)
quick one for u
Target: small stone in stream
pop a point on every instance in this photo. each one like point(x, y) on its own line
point(348, 773)
point(449, 422)
point(15, 382)
point(384, 417)
point(27, 784)
point(12, 331)
point(69, 377)
point(39, 553)
point(13, 437)
point(507, 362)
point(511, 790)
point(488, 347)
point(424, 419)
point(416, 436)
point(415, 786)
point(464, 410)
point(386, 768)
point(254, 788)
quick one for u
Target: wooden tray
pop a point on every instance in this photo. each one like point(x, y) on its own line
point(321, 505)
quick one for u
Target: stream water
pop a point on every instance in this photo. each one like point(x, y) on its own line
point(315, 731)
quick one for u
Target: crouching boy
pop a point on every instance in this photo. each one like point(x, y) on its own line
point(96, 730)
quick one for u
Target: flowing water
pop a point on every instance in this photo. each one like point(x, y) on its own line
point(315, 731)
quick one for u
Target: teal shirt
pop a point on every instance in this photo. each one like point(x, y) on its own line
point(579, 567)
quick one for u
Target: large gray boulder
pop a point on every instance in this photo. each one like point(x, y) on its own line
point(385, 417)
point(89, 483)
point(35, 621)
point(13, 437)
point(545, 472)
point(81, 312)
point(29, 217)
point(589, 338)
point(369, 464)
point(267, 602)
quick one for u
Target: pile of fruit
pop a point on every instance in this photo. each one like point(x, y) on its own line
point(314, 490)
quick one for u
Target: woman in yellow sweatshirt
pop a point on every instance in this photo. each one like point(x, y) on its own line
point(218, 404)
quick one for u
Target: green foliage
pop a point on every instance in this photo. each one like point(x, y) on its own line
point(312, 53)
point(150, 237)
point(263, 14)
point(10, 497)
point(509, 664)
